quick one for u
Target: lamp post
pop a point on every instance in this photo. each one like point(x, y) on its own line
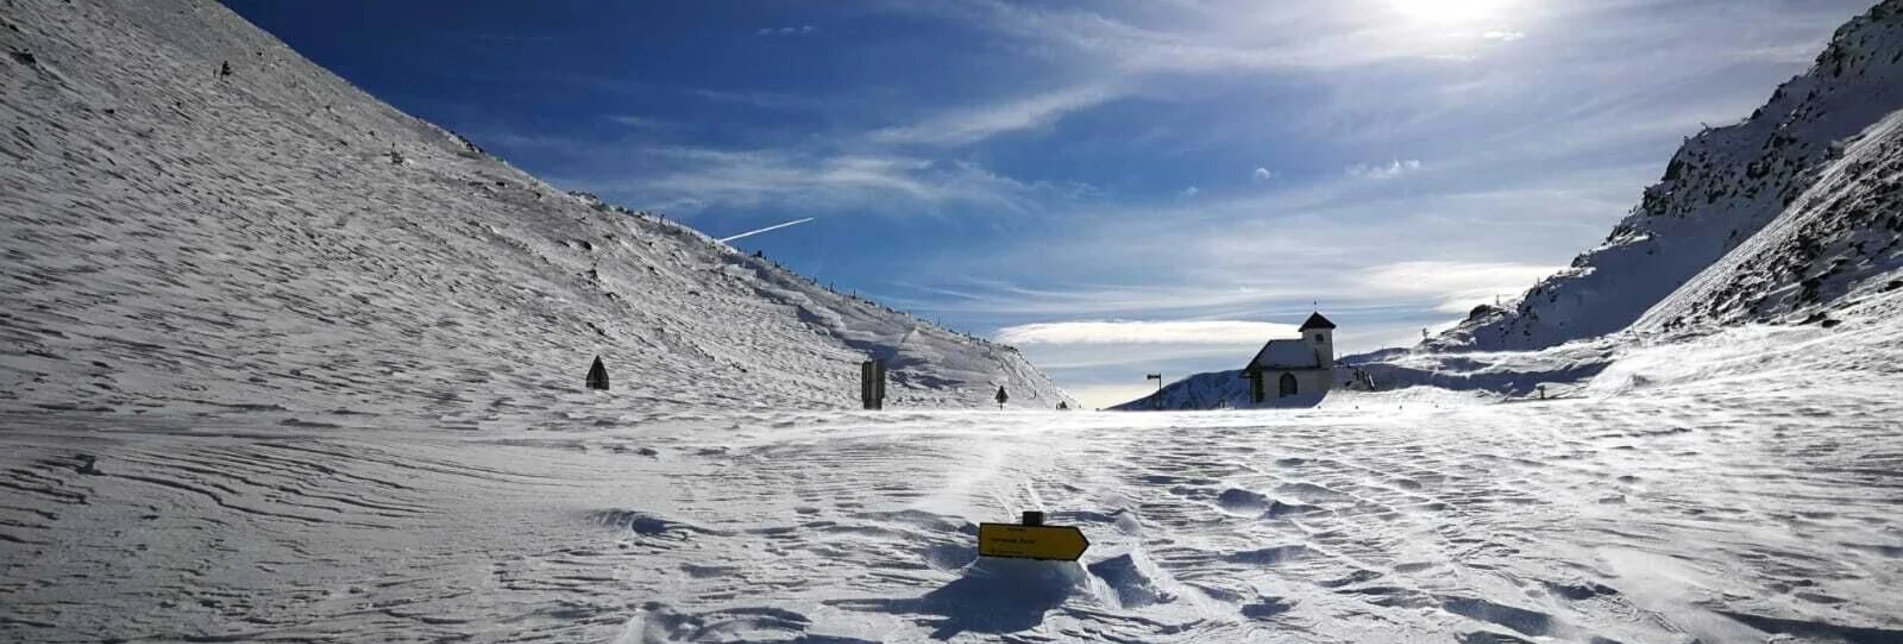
point(1159, 388)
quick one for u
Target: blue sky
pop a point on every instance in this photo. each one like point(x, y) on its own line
point(1120, 187)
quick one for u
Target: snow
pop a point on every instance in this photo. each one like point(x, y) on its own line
point(263, 380)
point(1698, 494)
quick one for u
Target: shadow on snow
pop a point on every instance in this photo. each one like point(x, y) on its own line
point(992, 596)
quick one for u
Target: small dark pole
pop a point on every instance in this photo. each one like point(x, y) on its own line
point(1542, 392)
point(1159, 388)
point(872, 384)
point(1032, 517)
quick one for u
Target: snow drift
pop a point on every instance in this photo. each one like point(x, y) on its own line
point(195, 215)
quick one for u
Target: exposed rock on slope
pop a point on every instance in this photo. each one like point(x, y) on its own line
point(1841, 235)
point(175, 235)
point(1819, 151)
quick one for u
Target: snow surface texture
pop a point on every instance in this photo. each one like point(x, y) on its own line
point(1785, 163)
point(275, 238)
point(1724, 489)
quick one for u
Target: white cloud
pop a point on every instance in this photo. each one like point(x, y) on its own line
point(639, 122)
point(1229, 332)
point(1190, 191)
point(698, 178)
point(983, 122)
point(1389, 171)
point(1458, 285)
point(1504, 36)
point(1263, 174)
point(759, 99)
point(994, 299)
point(1220, 36)
point(800, 30)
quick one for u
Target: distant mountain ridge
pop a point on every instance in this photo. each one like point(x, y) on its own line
point(197, 215)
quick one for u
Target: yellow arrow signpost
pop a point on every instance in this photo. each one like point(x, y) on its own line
point(1031, 540)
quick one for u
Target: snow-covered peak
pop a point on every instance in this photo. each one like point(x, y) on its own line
point(1720, 190)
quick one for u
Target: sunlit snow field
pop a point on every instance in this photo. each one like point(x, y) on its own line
point(1729, 489)
point(286, 365)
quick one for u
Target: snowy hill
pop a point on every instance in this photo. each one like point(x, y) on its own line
point(1213, 390)
point(1798, 199)
point(271, 237)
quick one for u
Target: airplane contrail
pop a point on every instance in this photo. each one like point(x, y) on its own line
point(763, 230)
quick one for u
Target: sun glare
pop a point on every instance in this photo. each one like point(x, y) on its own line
point(1452, 11)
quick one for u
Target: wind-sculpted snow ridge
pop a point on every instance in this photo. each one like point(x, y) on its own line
point(1787, 162)
point(1740, 488)
point(273, 238)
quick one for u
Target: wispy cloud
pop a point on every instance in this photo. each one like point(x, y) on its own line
point(1229, 332)
point(985, 121)
point(511, 38)
point(1262, 174)
point(1391, 170)
point(1001, 299)
point(1218, 36)
point(800, 30)
point(689, 178)
point(1503, 35)
point(1458, 286)
point(759, 99)
point(639, 122)
point(1111, 57)
point(1272, 255)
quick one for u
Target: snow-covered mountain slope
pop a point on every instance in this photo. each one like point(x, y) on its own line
point(177, 235)
point(1841, 239)
point(1790, 161)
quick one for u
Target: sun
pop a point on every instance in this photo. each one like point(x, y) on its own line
point(1452, 11)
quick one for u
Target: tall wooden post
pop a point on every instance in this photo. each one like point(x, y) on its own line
point(872, 384)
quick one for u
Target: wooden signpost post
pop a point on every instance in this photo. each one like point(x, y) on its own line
point(872, 384)
point(1031, 540)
